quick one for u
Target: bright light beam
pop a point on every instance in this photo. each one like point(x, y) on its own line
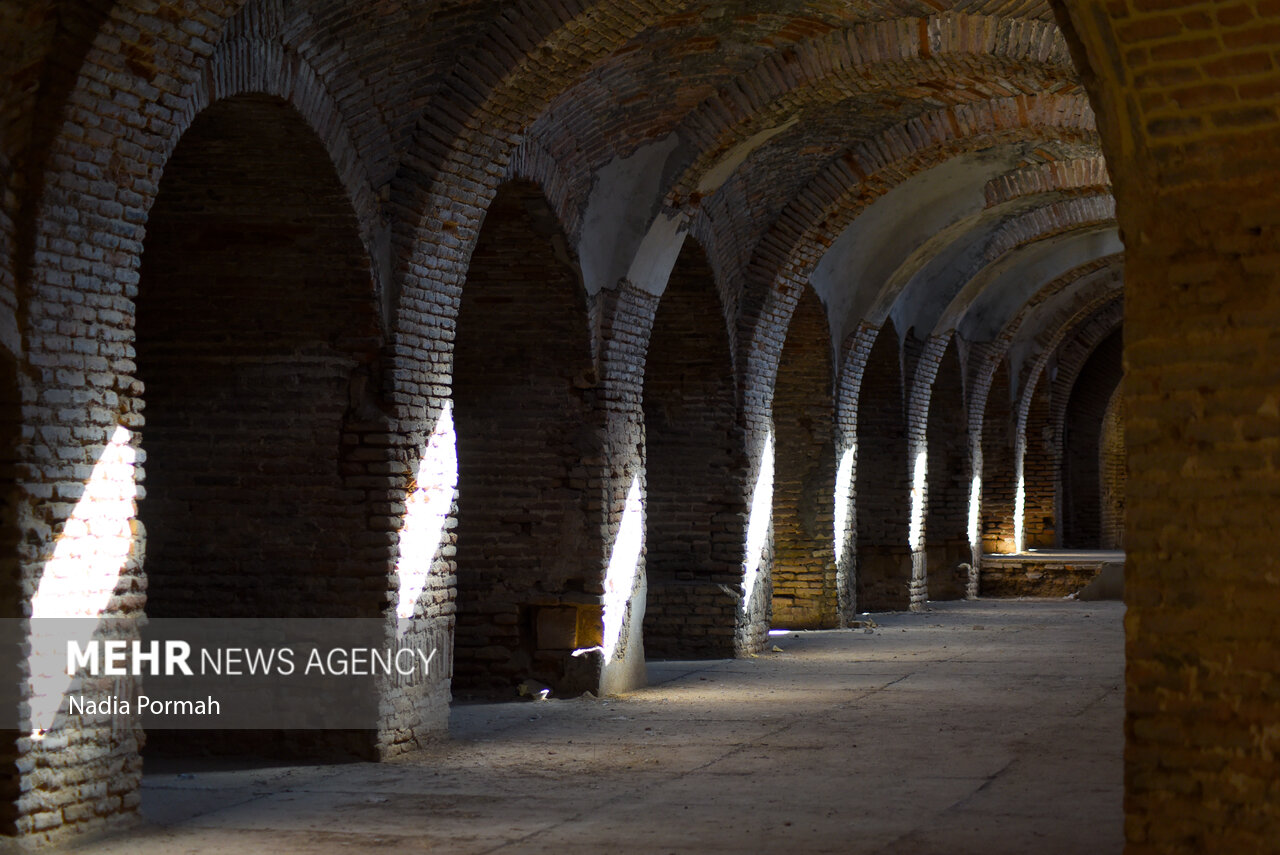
point(844, 479)
point(82, 574)
point(758, 521)
point(426, 510)
point(624, 562)
point(975, 508)
point(915, 537)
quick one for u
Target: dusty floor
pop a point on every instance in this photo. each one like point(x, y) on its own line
point(982, 727)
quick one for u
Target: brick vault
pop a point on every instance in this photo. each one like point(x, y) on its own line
point(565, 333)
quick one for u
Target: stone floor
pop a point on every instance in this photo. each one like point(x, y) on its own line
point(978, 727)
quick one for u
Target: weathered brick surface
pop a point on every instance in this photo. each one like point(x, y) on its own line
point(804, 568)
point(1190, 134)
point(999, 473)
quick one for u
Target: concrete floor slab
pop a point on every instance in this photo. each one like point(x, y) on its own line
point(987, 726)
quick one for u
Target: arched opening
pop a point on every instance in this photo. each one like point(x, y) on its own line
point(529, 532)
point(949, 487)
point(999, 476)
point(256, 329)
point(1041, 462)
point(10, 587)
point(883, 485)
point(694, 470)
point(1094, 389)
point(804, 562)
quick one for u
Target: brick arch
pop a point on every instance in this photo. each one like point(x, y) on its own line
point(885, 576)
point(466, 135)
point(1078, 215)
point(984, 357)
point(254, 63)
point(805, 594)
point(256, 328)
point(1041, 413)
point(530, 526)
point(1087, 279)
point(780, 263)
point(832, 199)
point(695, 478)
point(859, 59)
point(989, 373)
point(532, 162)
point(1083, 422)
point(1086, 175)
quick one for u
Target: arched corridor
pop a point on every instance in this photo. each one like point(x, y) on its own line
point(561, 341)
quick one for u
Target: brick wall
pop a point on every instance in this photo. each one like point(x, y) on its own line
point(883, 489)
point(255, 330)
point(695, 503)
point(1086, 410)
point(804, 569)
point(529, 526)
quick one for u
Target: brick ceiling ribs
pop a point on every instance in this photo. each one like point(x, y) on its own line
point(793, 133)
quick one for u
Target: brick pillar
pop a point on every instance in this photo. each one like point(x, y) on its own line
point(885, 566)
point(695, 498)
point(1185, 97)
point(804, 567)
point(625, 318)
point(853, 365)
